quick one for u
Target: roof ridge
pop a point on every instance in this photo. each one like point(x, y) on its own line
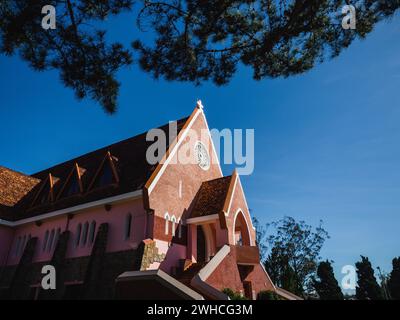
point(15, 171)
point(75, 159)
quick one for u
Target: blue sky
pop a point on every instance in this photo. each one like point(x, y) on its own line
point(326, 142)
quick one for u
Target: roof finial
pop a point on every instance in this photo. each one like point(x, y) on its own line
point(199, 104)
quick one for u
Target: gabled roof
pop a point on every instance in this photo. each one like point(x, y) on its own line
point(211, 197)
point(18, 191)
point(14, 186)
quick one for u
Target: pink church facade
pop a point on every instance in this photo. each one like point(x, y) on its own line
point(115, 226)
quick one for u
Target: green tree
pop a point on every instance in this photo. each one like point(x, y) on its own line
point(188, 40)
point(267, 295)
point(394, 280)
point(327, 285)
point(295, 248)
point(367, 287)
point(233, 295)
point(281, 273)
point(261, 234)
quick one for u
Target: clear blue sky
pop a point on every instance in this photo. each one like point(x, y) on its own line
point(326, 143)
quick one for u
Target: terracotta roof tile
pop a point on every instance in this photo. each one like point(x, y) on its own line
point(14, 186)
point(211, 197)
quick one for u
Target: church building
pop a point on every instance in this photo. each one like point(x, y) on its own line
point(114, 225)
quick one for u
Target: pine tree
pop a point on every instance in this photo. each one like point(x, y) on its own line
point(327, 286)
point(188, 40)
point(367, 286)
point(394, 280)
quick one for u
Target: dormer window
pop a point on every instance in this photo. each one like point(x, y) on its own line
point(106, 174)
point(73, 184)
point(45, 193)
point(71, 188)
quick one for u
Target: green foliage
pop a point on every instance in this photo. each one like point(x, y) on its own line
point(206, 40)
point(292, 262)
point(327, 285)
point(189, 40)
point(367, 286)
point(267, 295)
point(261, 234)
point(233, 295)
point(394, 280)
point(85, 61)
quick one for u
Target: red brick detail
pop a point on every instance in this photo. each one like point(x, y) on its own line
point(229, 275)
point(159, 231)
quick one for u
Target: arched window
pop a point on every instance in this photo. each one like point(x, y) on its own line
point(17, 246)
point(51, 239)
point(85, 233)
point(173, 220)
point(180, 229)
point(78, 235)
point(166, 217)
point(46, 238)
point(128, 225)
point(92, 232)
point(58, 233)
point(23, 244)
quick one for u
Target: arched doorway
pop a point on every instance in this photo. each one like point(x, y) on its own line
point(201, 245)
point(241, 235)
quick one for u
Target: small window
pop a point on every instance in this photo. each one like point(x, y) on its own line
point(166, 217)
point(128, 225)
point(51, 239)
point(85, 233)
point(105, 176)
point(58, 233)
point(78, 235)
point(23, 244)
point(173, 220)
point(44, 195)
point(92, 232)
point(180, 229)
point(46, 238)
point(17, 246)
point(72, 186)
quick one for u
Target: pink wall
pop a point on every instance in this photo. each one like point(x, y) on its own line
point(165, 195)
point(116, 218)
point(6, 236)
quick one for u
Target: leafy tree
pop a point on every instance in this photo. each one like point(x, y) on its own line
point(189, 40)
point(267, 295)
point(85, 61)
point(394, 280)
point(202, 40)
point(233, 295)
point(295, 249)
point(367, 286)
point(281, 273)
point(261, 234)
point(327, 285)
point(384, 279)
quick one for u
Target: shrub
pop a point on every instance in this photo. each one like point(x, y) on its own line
point(233, 295)
point(267, 295)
